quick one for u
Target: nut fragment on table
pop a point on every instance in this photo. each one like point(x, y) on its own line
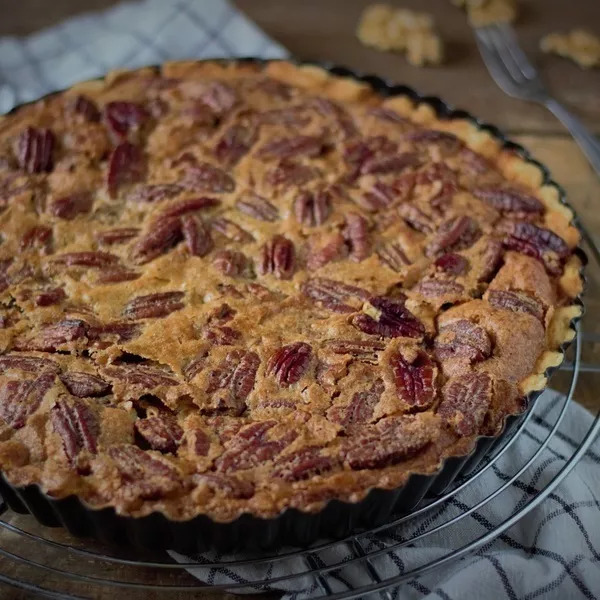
point(583, 47)
point(386, 28)
point(486, 12)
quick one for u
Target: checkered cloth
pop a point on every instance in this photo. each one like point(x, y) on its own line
point(553, 553)
point(130, 35)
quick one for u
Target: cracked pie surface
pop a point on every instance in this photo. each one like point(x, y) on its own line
point(235, 288)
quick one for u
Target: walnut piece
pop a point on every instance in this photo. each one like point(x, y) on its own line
point(386, 28)
point(486, 12)
point(582, 47)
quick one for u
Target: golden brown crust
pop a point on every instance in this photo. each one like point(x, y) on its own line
point(244, 288)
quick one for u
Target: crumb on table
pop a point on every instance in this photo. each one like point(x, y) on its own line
point(486, 12)
point(386, 28)
point(583, 47)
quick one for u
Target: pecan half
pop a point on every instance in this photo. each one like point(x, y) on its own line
point(68, 207)
point(509, 200)
point(85, 385)
point(462, 339)
point(425, 138)
point(87, 108)
point(335, 295)
point(257, 207)
point(323, 248)
point(20, 399)
point(218, 96)
point(302, 464)
point(232, 381)
point(230, 486)
point(77, 425)
point(126, 165)
point(537, 242)
point(361, 407)
point(222, 335)
point(465, 401)
point(452, 263)
point(154, 193)
point(207, 178)
point(388, 163)
point(489, 260)
point(312, 208)
point(288, 173)
point(231, 263)
point(147, 475)
point(415, 379)
point(363, 351)
point(50, 297)
point(144, 376)
point(290, 147)
point(86, 259)
point(160, 237)
point(358, 153)
point(183, 207)
point(356, 234)
point(232, 231)
point(278, 258)
point(30, 364)
point(196, 235)
point(123, 117)
point(392, 255)
point(338, 117)
point(391, 319)
point(415, 218)
point(517, 302)
point(198, 441)
point(289, 363)
point(119, 331)
point(39, 236)
point(437, 288)
point(235, 143)
point(162, 432)
point(119, 235)
point(251, 446)
point(34, 150)
point(116, 275)
point(388, 442)
point(50, 337)
point(457, 233)
point(195, 366)
point(153, 306)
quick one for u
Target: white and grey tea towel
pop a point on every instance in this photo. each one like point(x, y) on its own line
point(553, 553)
point(130, 35)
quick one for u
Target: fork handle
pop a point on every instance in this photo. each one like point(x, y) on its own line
point(586, 140)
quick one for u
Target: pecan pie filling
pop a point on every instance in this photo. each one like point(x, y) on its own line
point(229, 288)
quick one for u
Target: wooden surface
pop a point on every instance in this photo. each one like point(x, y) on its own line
point(324, 30)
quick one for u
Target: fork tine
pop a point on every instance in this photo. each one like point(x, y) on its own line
point(492, 60)
point(505, 55)
point(508, 33)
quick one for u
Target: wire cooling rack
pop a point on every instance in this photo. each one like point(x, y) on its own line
point(48, 562)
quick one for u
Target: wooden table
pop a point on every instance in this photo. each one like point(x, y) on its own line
point(324, 30)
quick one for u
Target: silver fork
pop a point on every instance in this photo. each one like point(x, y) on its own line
point(512, 71)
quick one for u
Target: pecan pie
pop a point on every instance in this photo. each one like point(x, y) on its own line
point(235, 288)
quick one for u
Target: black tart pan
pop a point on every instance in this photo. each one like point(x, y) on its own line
point(337, 519)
